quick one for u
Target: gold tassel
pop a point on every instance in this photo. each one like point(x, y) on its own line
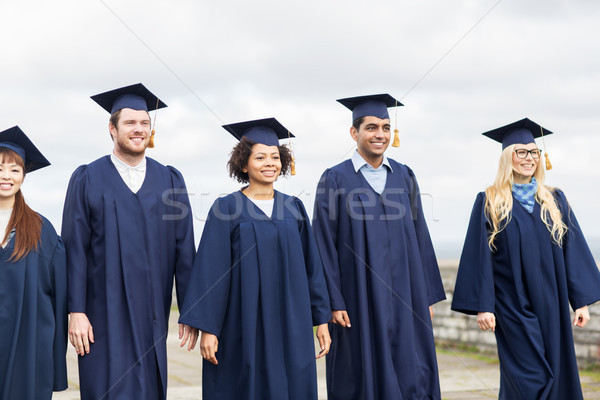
point(293, 166)
point(548, 165)
point(151, 142)
point(396, 142)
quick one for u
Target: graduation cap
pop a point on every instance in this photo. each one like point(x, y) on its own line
point(374, 105)
point(524, 131)
point(267, 131)
point(16, 140)
point(136, 97)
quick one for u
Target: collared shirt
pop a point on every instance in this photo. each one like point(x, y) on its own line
point(132, 176)
point(376, 177)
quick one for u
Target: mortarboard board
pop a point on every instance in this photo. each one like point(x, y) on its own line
point(267, 131)
point(523, 131)
point(136, 97)
point(375, 105)
point(16, 140)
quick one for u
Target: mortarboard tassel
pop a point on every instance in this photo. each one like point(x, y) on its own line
point(151, 142)
point(548, 165)
point(293, 165)
point(396, 142)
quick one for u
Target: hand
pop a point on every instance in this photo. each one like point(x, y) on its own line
point(582, 316)
point(209, 345)
point(324, 339)
point(431, 313)
point(187, 332)
point(80, 333)
point(340, 317)
point(486, 320)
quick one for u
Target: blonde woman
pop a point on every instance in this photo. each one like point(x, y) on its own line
point(524, 261)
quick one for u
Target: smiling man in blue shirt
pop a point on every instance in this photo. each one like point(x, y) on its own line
point(380, 268)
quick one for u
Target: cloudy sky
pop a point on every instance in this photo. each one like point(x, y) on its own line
point(460, 67)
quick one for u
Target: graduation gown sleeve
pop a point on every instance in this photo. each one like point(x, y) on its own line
point(33, 320)
point(583, 278)
point(325, 221)
point(184, 232)
point(76, 233)
point(474, 289)
point(58, 264)
point(319, 299)
point(431, 269)
point(207, 295)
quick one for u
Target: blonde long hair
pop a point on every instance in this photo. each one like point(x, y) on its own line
point(499, 200)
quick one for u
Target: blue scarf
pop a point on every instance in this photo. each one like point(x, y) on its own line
point(525, 193)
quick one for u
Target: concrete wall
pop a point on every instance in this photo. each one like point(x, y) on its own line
point(455, 328)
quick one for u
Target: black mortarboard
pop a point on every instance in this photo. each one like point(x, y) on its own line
point(136, 97)
point(375, 105)
point(523, 131)
point(16, 140)
point(267, 131)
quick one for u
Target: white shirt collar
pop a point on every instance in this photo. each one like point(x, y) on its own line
point(132, 176)
point(358, 162)
point(122, 166)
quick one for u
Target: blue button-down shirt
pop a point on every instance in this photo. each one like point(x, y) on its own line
point(376, 177)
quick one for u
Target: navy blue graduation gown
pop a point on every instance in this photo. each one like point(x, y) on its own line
point(258, 285)
point(380, 267)
point(528, 283)
point(123, 250)
point(33, 320)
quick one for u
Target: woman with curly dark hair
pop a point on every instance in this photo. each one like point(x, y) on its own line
point(33, 283)
point(257, 287)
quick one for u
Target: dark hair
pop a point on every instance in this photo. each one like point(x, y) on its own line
point(26, 222)
point(238, 160)
point(114, 118)
point(358, 122)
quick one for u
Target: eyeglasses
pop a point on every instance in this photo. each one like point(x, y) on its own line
point(522, 153)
